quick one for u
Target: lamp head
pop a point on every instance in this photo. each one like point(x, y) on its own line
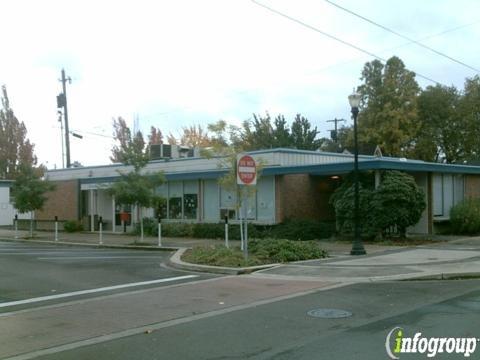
point(354, 99)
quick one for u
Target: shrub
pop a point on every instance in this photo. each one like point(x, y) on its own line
point(291, 229)
point(219, 256)
point(301, 230)
point(264, 251)
point(71, 226)
point(465, 217)
point(396, 203)
point(275, 250)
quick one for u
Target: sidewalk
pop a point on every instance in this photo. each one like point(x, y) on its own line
point(459, 258)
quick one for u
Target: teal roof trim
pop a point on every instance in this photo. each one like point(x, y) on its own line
point(377, 164)
point(6, 183)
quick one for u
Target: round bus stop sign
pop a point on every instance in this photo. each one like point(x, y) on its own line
point(246, 170)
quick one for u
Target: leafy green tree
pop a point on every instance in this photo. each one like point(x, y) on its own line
point(29, 192)
point(130, 149)
point(262, 133)
point(15, 148)
point(443, 130)
point(388, 112)
point(469, 109)
point(136, 188)
point(301, 135)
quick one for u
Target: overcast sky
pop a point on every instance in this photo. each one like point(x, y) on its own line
point(182, 62)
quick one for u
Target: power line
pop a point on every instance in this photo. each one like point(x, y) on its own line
point(335, 38)
point(404, 44)
point(416, 42)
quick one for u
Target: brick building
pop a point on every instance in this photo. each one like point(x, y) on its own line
point(292, 184)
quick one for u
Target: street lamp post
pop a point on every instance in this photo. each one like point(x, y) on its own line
point(357, 247)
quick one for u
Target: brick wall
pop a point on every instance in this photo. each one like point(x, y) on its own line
point(301, 196)
point(472, 186)
point(62, 202)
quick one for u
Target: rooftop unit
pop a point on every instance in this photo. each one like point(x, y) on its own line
point(167, 151)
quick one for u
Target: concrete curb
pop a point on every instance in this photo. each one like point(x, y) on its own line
point(91, 245)
point(175, 261)
point(445, 276)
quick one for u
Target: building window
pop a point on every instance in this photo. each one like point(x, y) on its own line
point(175, 207)
point(447, 192)
point(190, 205)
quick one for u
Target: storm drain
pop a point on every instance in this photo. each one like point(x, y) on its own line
point(329, 313)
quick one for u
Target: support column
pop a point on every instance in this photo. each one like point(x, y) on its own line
point(92, 218)
point(113, 214)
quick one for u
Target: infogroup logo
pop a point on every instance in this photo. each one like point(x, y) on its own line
point(397, 343)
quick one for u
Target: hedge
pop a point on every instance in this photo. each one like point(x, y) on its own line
point(291, 230)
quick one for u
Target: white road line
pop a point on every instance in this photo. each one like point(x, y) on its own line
point(97, 257)
point(91, 291)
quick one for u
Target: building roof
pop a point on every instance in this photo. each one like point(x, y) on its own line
point(279, 161)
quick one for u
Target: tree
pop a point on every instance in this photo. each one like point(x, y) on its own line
point(261, 133)
point(469, 109)
point(130, 149)
point(16, 150)
point(443, 131)
point(138, 190)
point(155, 136)
point(302, 137)
point(135, 188)
point(29, 192)
point(388, 112)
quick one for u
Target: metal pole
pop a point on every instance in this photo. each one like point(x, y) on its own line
point(56, 228)
point(159, 232)
point(100, 230)
point(357, 247)
point(245, 237)
point(226, 231)
point(242, 237)
point(65, 115)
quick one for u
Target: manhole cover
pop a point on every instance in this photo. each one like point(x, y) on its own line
point(329, 313)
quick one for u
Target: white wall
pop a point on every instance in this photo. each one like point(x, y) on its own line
point(7, 211)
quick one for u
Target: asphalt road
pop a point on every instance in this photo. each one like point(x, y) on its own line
point(29, 273)
point(284, 330)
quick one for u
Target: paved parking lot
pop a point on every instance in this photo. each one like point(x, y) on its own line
point(36, 275)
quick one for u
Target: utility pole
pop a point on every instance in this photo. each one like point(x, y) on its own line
point(334, 133)
point(62, 102)
point(61, 137)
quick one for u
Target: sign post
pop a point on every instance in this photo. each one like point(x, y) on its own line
point(246, 176)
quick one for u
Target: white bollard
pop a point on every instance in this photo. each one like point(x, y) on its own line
point(100, 230)
point(226, 232)
point(56, 228)
point(159, 232)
